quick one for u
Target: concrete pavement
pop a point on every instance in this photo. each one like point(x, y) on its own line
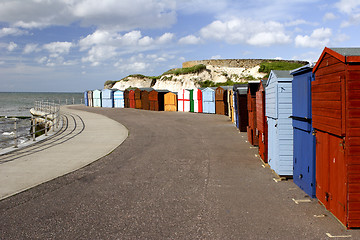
point(87, 138)
point(177, 176)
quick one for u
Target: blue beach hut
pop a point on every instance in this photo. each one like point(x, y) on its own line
point(304, 140)
point(107, 98)
point(278, 101)
point(119, 99)
point(97, 98)
point(86, 100)
point(208, 100)
point(240, 106)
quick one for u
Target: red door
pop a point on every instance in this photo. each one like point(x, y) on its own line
point(322, 168)
point(337, 181)
point(331, 186)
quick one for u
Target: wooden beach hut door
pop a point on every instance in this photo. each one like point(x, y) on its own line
point(170, 102)
point(208, 96)
point(220, 98)
point(199, 100)
point(137, 98)
point(145, 102)
point(119, 99)
point(184, 101)
point(331, 174)
point(153, 100)
point(132, 98)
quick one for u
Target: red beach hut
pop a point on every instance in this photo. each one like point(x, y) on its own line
point(336, 120)
point(261, 123)
point(156, 99)
point(132, 98)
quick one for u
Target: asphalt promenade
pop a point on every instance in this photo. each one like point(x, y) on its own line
point(176, 176)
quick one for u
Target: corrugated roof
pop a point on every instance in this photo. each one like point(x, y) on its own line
point(347, 51)
point(282, 73)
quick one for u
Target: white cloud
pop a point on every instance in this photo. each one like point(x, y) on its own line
point(106, 14)
point(329, 16)
point(348, 6)
point(11, 47)
point(190, 39)
point(165, 38)
point(146, 41)
point(98, 54)
point(98, 37)
point(352, 9)
point(319, 38)
point(252, 32)
point(11, 31)
point(29, 48)
point(58, 47)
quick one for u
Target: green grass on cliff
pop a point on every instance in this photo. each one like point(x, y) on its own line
point(266, 67)
point(194, 69)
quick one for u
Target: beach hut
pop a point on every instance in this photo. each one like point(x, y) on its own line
point(261, 123)
point(145, 103)
point(278, 100)
point(137, 96)
point(304, 140)
point(170, 102)
point(253, 138)
point(138, 101)
point(220, 101)
point(241, 113)
point(131, 98)
point(119, 99)
point(184, 100)
point(197, 96)
point(126, 99)
point(230, 99)
point(156, 99)
point(97, 98)
point(336, 120)
point(86, 99)
point(107, 98)
point(90, 98)
point(208, 100)
point(196, 100)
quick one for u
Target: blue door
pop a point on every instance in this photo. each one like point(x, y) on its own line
point(304, 161)
point(208, 101)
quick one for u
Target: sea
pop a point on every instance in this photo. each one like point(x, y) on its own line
point(18, 104)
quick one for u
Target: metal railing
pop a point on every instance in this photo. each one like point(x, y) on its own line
point(45, 116)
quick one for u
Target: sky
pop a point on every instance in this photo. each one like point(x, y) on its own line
point(76, 45)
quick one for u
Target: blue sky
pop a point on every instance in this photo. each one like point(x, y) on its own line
point(75, 45)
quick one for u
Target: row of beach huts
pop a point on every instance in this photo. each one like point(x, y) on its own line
point(305, 122)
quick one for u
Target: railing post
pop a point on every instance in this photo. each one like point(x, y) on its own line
point(33, 127)
point(73, 101)
point(65, 101)
point(45, 125)
point(53, 117)
point(15, 131)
